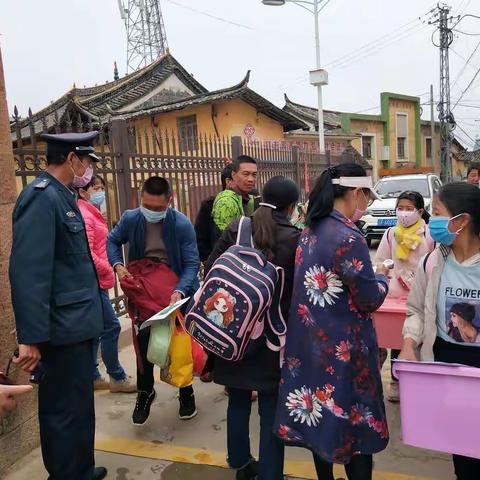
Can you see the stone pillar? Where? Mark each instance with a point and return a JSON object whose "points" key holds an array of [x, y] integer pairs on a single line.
{"points": [[19, 431]]}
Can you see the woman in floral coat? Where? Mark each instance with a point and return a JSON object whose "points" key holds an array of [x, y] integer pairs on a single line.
{"points": [[331, 398]]}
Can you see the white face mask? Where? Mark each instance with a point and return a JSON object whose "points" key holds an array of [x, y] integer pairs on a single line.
{"points": [[407, 218]]}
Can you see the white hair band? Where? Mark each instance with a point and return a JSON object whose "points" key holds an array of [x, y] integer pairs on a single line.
{"points": [[356, 182], [268, 205]]}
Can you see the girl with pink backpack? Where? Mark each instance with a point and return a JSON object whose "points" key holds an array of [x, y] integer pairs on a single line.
{"points": [[259, 369]]}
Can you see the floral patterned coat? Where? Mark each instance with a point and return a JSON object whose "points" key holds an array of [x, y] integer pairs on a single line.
{"points": [[331, 398]]}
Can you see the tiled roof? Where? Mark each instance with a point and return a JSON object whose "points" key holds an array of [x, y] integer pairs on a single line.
{"points": [[102, 99], [97, 102], [139, 84], [331, 119], [469, 157], [240, 91]]}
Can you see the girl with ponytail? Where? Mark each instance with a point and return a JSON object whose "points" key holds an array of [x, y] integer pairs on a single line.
{"points": [[273, 234], [330, 398]]}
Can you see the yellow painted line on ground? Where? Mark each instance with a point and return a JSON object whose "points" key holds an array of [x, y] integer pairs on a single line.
{"points": [[172, 453]]}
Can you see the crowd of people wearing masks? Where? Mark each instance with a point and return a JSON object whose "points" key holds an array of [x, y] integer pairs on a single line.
{"points": [[323, 389]]}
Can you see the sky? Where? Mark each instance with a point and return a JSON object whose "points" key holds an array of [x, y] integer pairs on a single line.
{"points": [[367, 47]]}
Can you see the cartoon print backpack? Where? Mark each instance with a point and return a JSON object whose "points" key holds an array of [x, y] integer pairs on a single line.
{"points": [[239, 301]]}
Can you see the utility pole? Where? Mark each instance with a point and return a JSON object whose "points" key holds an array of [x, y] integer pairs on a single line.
{"points": [[446, 118], [432, 126], [319, 76]]}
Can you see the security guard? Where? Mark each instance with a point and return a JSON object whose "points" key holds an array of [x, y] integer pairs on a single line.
{"points": [[57, 304]]}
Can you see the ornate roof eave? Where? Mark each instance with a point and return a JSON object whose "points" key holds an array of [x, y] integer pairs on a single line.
{"points": [[184, 103], [50, 109], [310, 114], [240, 90], [85, 112], [300, 108], [125, 85]]}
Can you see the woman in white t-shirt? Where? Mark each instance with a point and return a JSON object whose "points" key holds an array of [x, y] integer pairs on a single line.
{"points": [[406, 244], [443, 308]]}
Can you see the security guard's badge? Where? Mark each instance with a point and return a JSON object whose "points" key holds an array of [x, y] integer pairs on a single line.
{"points": [[42, 184], [71, 214]]}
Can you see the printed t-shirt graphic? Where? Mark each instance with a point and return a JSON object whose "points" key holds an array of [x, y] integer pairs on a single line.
{"points": [[459, 303]]}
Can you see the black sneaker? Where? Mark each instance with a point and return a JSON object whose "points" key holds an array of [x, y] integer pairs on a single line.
{"points": [[99, 473], [142, 407], [188, 408], [250, 472]]}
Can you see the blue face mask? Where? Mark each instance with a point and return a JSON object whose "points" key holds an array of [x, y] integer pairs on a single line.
{"points": [[440, 232], [153, 217], [97, 198]]}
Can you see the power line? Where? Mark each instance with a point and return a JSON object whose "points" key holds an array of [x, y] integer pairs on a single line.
{"points": [[380, 42], [206, 14], [461, 8], [372, 42], [467, 134], [468, 106], [368, 49], [379, 106], [466, 64], [467, 33], [468, 87], [374, 50]]}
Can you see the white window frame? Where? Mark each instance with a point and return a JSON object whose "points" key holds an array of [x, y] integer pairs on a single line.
{"points": [[374, 145], [407, 153]]}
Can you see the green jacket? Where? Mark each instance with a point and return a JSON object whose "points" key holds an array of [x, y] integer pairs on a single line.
{"points": [[228, 206]]}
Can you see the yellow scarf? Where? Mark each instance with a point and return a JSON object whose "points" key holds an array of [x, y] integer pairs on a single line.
{"points": [[407, 239]]}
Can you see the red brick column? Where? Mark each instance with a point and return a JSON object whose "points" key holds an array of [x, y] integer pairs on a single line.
{"points": [[19, 431]]}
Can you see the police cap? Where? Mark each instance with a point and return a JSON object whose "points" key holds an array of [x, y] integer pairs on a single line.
{"points": [[64, 143]]}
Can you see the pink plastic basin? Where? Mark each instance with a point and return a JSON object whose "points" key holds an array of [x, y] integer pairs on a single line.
{"points": [[388, 321], [439, 406]]}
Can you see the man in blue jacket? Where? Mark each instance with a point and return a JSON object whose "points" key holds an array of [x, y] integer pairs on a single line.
{"points": [[159, 232], [57, 304]]}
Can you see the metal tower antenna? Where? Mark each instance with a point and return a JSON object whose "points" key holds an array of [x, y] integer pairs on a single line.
{"points": [[146, 37], [445, 115]]}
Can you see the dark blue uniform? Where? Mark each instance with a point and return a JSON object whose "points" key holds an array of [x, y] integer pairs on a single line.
{"points": [[57, 304]]}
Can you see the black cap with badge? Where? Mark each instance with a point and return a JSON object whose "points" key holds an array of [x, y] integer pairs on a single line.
{"points": [[61, 144]]}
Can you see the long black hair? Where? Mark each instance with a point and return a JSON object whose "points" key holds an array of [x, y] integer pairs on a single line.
{"points": [[281, 193], [417, 199], [324, 193], [460, 198]]}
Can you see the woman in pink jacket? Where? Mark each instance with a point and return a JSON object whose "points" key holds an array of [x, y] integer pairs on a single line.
{"points": [[405, 244], [91, 198]]}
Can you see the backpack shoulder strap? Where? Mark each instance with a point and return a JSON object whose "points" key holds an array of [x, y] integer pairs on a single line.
{"points": [[426, 262], [389, 236], [431, 257], [277, 327], [244, 236]]}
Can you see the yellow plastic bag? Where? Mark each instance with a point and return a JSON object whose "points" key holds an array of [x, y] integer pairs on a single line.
{"points": [[179, 369]]}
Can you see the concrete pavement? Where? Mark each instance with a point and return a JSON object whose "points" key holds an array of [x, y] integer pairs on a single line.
{"points": [[169, 449]]}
